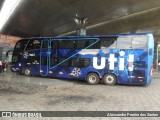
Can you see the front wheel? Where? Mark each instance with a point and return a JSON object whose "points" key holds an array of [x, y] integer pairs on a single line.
{"points": [[109, 79], [92, 79], [27, 72]]}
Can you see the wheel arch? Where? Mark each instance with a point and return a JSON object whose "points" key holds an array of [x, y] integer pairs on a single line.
{"points": [[109, 73], [92, 72]]}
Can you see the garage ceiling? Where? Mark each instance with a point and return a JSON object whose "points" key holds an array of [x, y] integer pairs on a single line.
{"points": [[55, 17]]}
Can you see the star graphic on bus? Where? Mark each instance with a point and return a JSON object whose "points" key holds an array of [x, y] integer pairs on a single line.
{"points": [[76, 72]]}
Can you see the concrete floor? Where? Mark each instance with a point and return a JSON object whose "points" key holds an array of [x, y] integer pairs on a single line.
{"points": [[21, 93]]}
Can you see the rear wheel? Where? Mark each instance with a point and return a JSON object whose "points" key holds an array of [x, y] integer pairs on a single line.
{"points": [[92, 79], [27, 71], [109, 79]]}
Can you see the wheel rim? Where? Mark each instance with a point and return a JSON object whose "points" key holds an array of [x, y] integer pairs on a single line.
{"points": [[109, 79], [92, 79], [27, 72]]}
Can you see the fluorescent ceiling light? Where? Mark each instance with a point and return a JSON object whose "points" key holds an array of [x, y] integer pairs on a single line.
{"points": [[7, 9]]}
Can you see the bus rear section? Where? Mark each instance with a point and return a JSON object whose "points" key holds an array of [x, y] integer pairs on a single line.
{"points": [[150, 58], [127, 60], [143, 48]]}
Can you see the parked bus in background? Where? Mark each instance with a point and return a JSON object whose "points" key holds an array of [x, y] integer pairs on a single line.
{"points": [[110, 59]]}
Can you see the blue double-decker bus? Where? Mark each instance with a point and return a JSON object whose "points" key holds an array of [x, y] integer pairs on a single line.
{"points": [[109, 59]]}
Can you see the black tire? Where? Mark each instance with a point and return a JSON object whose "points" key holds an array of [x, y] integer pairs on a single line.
{"points": [[109, 79], [27, 71], [92, 79]]}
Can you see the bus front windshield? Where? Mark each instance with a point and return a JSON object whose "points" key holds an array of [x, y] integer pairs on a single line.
{"points": [[21, 44]]}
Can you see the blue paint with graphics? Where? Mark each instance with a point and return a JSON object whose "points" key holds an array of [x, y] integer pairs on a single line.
{"points": [[140, 75]]}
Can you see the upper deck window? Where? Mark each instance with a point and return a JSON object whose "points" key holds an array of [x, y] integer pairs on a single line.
{"points": [[124, 42], [45, 44], [132, 42], [108, 43], [75, 44], [93, 44], [66, 44], [33, 44], [139, 42], [54, 44], [80, 44]]}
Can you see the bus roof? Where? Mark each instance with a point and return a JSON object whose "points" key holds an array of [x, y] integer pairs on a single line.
{"points": [[88, 36]]}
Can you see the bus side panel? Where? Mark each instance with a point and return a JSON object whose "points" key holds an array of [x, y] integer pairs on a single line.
{"points": [[138, 75], [128, 72], [70, 72], [120, 68], [35, 69]]}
